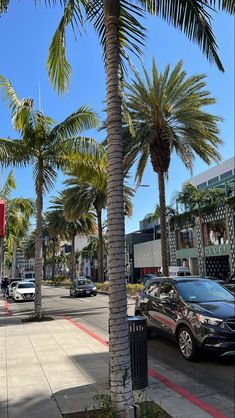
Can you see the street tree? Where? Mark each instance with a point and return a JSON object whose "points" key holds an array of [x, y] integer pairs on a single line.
{"points": [[59, 225], [117, 23], [43, 145], [87, 188], [197, 201], [168, 114], [18, 213]]}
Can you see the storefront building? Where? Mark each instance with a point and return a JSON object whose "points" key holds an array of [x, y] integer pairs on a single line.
{"points": [[211, 247]]}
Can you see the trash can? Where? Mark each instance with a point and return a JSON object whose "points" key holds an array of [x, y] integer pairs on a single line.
{"points": [[138, 351]]}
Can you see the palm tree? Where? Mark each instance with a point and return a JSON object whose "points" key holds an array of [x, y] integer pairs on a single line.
{"points": [[59, 225], [87, 183], [168, 114], [43, 145], [91, 250], [18, 213], [198, 200], [118, 26]]}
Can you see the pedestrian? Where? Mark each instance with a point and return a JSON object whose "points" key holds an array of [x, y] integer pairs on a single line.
{"points": [[4, 286]]}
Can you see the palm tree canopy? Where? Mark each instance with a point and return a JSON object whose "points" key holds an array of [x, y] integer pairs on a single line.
{"points": [[59, 225], [192, 17], [86, 185], [194, 198], [18, 213], [168, 114], [41, 138], [91, 249]]}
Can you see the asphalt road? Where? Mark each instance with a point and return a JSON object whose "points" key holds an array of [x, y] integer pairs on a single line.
{"points": [[215, 374]]}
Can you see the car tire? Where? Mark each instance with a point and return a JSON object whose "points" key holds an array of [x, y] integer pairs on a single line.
{"points": [[187, 344]]}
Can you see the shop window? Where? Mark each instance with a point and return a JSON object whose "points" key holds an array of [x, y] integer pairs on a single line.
{"points": [[215, 233], [202, 185], [185, 239], [214, 180], [225, 175]]}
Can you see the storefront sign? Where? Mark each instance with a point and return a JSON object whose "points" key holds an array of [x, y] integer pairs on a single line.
{"points": [[217, 250]]}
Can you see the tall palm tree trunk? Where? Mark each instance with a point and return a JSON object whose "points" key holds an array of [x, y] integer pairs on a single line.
{"points": [[13, 268], [73, 263], [53, 259], [38, 241], [163, 227], [120, 370], [100, 247]]}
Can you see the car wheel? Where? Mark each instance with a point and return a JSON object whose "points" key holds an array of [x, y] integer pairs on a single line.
{"points": [[187, 344]]}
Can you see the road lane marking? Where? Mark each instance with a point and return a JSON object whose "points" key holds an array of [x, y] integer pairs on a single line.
{"points": [[167, 382]]}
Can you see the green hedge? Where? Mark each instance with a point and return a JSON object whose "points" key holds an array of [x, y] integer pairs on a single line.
{"points": [[132, 289]]}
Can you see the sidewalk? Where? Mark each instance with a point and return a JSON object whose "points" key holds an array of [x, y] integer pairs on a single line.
{"points": [[53, 368]]}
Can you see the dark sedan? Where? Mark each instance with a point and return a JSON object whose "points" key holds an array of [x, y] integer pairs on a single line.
{"points": [[83, 287], [198, 313]]}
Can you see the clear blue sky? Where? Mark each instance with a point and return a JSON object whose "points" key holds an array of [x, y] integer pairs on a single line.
{"points": [[25, 34]]}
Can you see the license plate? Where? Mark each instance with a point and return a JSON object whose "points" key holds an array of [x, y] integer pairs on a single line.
{"points": [[88, 292]]}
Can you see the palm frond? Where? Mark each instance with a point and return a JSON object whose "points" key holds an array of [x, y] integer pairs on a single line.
{"points": [[59, 69], [193, 18], [83, 119], [14, 152], [9, 185]]}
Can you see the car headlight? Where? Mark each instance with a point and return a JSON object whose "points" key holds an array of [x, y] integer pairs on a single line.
{"points": [[94, 288], [209, 320], [18, 293]]}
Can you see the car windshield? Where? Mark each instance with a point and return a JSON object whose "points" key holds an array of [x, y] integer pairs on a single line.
{"points": [[200, 291], [25, 285], [82, 282]]}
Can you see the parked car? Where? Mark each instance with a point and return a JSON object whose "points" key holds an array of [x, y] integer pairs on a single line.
{"points": [[83, 287], [196, 312], [11, 287], [24, 291]]}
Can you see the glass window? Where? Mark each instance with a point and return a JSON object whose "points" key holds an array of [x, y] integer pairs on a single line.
{"points": [[25, 285], [152, 289], [215, 233], [167, 291], [225, 175], [185, 239], [82, 282], [214, 180], [202, 185], [199, 291]]}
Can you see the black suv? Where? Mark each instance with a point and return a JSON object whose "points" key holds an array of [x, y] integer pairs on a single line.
{"points": [[83, 287], [198, 313]]}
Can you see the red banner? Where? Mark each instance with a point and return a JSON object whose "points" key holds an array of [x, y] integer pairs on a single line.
{"points": [[2, 218]]}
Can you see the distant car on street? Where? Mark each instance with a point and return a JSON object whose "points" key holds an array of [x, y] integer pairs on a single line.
{"points": [[83, 287], [24, 291], [196, 312]]}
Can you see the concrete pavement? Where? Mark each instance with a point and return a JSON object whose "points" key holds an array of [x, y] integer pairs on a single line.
{"points": [[53, 368]]}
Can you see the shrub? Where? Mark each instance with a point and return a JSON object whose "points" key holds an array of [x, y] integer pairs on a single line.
{"points": [[134, 289]]}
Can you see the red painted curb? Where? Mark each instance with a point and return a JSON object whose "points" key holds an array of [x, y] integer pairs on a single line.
{"points": [[173, 386], [6, 308], [87, 331], [187, 395]]}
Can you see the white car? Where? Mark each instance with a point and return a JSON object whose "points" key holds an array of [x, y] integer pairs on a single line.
{"points": [[24, 291], [11, 288]]}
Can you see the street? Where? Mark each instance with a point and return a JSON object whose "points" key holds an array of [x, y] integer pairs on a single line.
{"points": [[209, 377]]}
